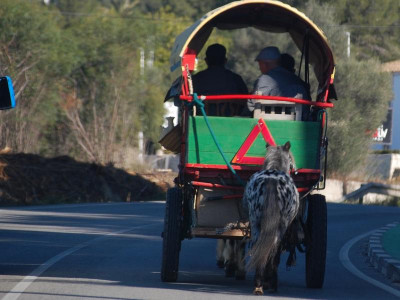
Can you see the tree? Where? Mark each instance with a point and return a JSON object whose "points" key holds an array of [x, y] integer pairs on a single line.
{"points": [[364, 93], [374, 26], [98, 101], [34, 54], [111, 96]]}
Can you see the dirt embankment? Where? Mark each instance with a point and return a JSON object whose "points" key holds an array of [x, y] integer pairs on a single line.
{"points": [[28, 179]]}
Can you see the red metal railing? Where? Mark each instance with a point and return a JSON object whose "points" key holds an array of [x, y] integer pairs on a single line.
{"points": [[259, 97]]}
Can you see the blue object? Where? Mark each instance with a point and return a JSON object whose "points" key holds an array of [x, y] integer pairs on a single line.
{"points": [[11, 90], [7, 97]]}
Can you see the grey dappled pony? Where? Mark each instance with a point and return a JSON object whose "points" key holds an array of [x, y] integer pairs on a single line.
{"points": [[271, 201]]}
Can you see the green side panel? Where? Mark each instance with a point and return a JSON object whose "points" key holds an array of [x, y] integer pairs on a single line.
{"points": [[232, 132]]}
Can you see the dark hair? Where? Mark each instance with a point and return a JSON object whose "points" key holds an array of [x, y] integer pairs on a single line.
{"points": [[216, 55], [287, 62]]}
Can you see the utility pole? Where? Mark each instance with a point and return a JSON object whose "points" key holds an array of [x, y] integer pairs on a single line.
{"points": [[348, 43], [141, 61], [141, 146], [140, 134], [144, 64], [150, 60]]}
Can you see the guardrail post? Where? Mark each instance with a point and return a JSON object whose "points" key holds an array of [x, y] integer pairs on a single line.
{"points": [[361, 199]]}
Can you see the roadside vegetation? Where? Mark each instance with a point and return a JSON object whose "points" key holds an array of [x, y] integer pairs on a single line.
{"points": [[90, 75], [30, 179]]}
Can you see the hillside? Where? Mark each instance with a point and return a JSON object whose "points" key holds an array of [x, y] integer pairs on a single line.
{"points": [[28, 179]]}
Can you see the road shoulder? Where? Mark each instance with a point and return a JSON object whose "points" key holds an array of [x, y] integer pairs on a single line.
{"points": [[380, 258]]}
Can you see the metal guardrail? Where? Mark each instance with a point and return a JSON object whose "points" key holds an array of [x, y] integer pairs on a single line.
{"points": [[373, 187], [164, 162]]}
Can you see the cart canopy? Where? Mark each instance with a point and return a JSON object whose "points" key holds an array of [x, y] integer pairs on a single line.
{"points": [[267, 15]]}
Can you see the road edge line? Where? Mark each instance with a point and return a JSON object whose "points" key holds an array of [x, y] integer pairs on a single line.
{"points": [[345, 260]]}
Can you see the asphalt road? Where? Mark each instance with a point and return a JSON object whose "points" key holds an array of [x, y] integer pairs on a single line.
{"points": [[113, 251]]}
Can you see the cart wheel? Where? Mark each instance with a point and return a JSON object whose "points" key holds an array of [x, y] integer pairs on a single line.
{"points": [[316, 245], [172, 235]]}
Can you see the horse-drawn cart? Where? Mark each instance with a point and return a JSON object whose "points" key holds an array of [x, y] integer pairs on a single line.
{"points": [[219, 154]]}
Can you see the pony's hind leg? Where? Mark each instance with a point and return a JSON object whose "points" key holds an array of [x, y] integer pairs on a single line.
{"points": [[229, 258], [240, 273], [268, 276], [271, 274], [258, 282], [220, 253]]}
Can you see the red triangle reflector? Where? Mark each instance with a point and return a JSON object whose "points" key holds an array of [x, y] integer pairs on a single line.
{"points": [[240, 157]]}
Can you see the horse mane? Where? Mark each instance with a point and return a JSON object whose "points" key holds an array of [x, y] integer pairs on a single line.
{"points": [[279, 158]]}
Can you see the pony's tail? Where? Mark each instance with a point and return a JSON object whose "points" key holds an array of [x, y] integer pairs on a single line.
{"points": [[268, 238]]}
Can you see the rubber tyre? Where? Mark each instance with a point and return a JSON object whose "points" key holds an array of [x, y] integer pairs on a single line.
{"points": [[316, 245], [172, 235]]}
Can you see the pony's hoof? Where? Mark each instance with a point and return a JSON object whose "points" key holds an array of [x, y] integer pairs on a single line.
{"points": [[240, 275], [258, 291]]}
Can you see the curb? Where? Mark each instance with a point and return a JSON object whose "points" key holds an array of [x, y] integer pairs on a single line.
{"points": [[379, 258]]}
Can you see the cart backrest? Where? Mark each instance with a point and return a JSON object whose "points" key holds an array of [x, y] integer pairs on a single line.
{"points": [[231, 134]]}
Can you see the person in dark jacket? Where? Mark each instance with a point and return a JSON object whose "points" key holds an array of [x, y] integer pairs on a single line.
{"points": [[218, 80], [288, 63]]}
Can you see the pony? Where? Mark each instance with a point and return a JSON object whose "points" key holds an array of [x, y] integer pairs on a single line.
{"points": [[271, 201], [230, 256]]}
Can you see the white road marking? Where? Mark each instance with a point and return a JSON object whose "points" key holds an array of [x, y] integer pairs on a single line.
{"points": [[344, 259], [63, 206], [20, 287], [69, 206]]}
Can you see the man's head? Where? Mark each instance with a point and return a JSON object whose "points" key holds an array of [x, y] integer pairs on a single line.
{"points": [[268, 59], [216, 55], [287, 62]]}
